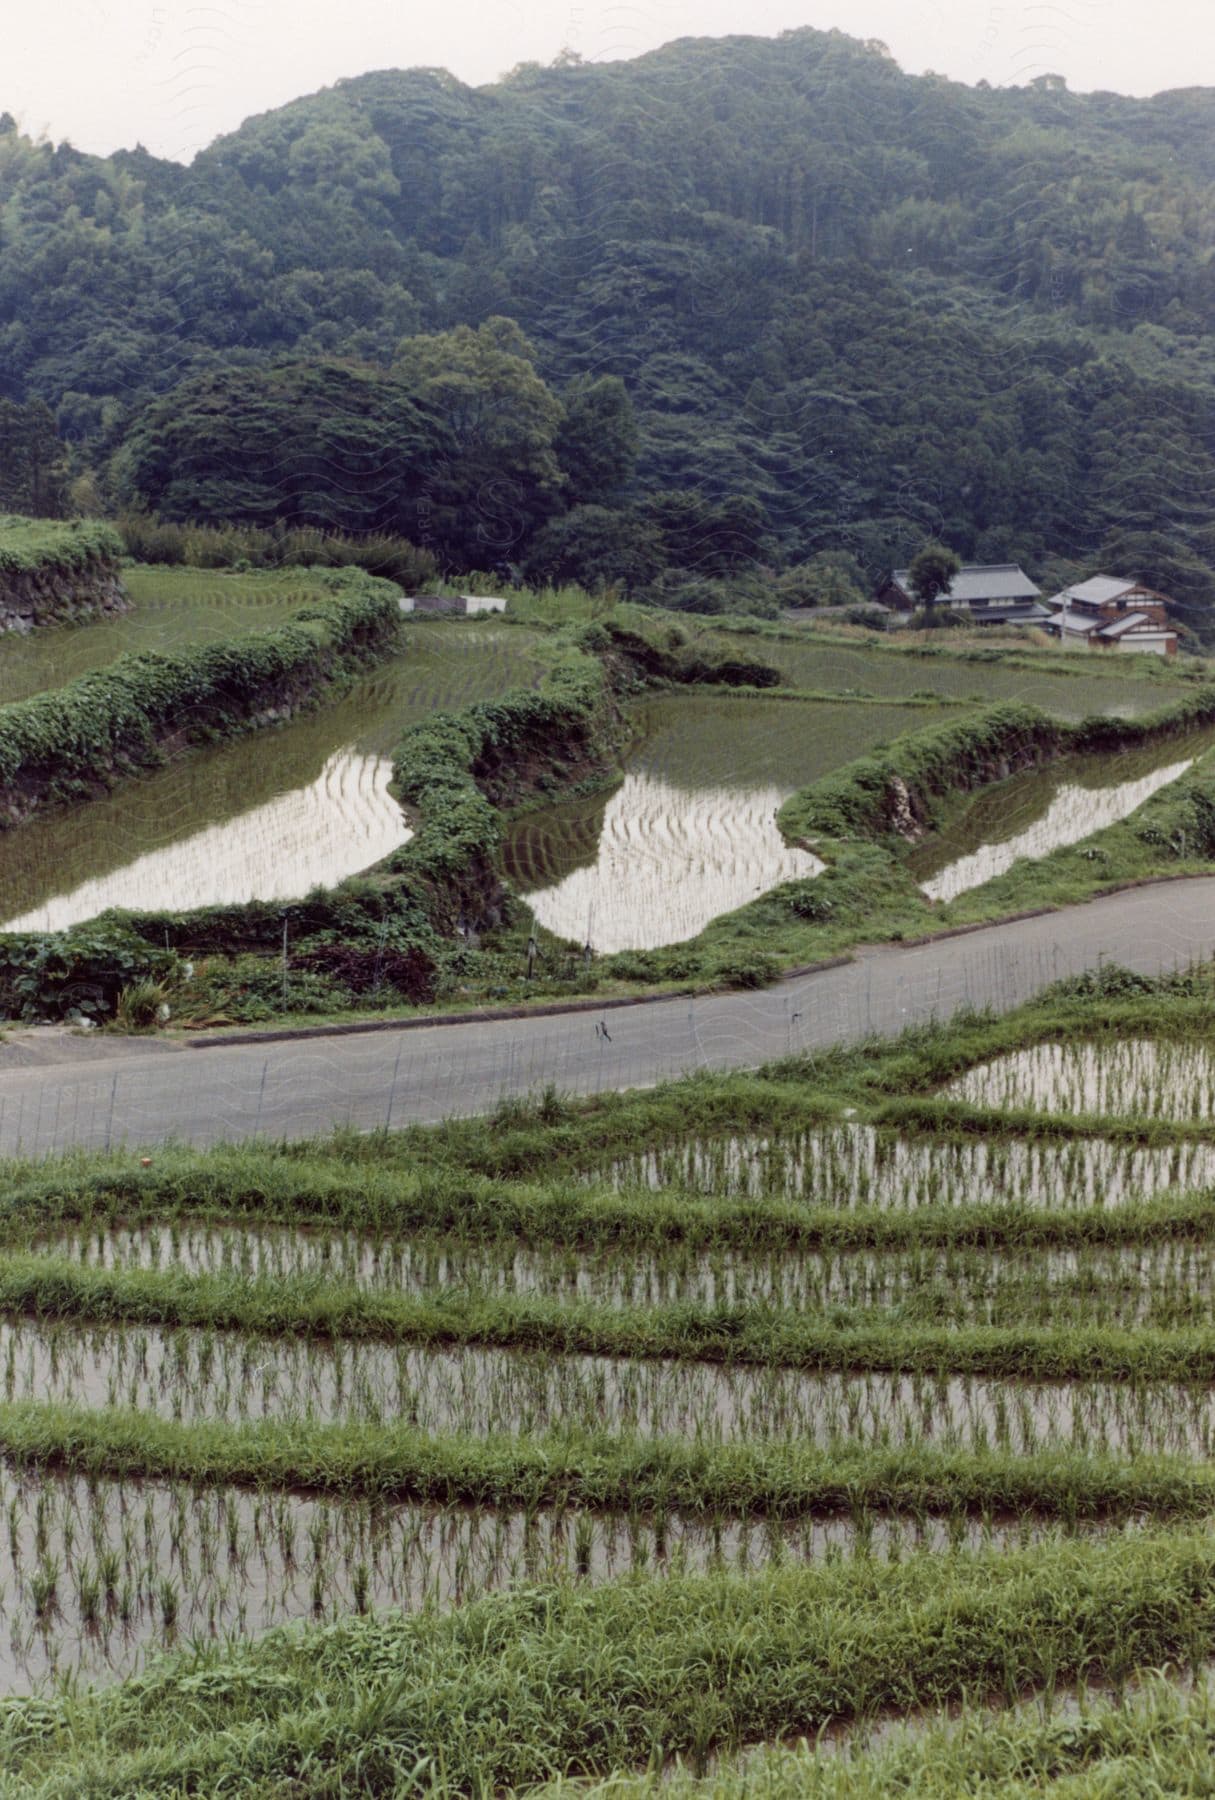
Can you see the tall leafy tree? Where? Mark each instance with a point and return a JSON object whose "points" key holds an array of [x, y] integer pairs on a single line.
{"points": [[596, 442], [503, 477], [931, 573], [33, 460]]}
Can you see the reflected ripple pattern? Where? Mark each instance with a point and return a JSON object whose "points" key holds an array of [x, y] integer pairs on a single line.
{"points": [[342, 822], [670, 860]]}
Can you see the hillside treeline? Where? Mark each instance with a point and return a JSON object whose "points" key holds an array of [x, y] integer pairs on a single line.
{"points": [[739, 303]]}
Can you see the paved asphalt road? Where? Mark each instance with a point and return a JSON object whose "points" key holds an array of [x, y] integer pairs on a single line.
{"points": [[121, 1091]]}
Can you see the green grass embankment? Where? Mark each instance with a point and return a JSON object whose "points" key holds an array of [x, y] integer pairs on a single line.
{"points": [[66, 743], [55, 572], [238, 1188], [605, 1471], [47, 1287], [518, 1689]]}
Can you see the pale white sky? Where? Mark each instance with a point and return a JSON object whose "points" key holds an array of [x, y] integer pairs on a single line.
{"points": [[173, 74]]}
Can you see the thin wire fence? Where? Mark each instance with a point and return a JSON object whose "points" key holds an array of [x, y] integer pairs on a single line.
{"points": [[387, 1079]]}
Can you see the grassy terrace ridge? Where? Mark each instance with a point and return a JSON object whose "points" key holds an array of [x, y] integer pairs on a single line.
{"points": [[605, 1471], [237, 1189], [1155, 1741], [515, 1690], [27, 545], [56, 746], [47, 1287]]}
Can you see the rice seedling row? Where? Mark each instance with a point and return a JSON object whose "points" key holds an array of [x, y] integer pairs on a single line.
{"points": [[742, 1336], [1163, 1284], [689, 1666], [989, 1191], [96, 1573], [197, 1375], [1142, 1078], [863, 1166], [605, 1470]]}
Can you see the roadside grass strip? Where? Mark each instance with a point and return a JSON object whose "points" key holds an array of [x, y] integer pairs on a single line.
{"points": [[515, 1690]]}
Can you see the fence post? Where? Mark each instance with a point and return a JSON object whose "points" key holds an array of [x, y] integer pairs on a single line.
{"points": [[392, 1093]]}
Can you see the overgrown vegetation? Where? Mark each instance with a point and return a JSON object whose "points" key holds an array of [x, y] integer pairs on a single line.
{"points": [[45, 546], [814, 316]]}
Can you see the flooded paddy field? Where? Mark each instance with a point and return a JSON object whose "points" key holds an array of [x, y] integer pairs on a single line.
{"points": [[194, 1375], [266, 816], [1042, 810], [98, 1575], [857, 1165], [889, 673], [1138, 1078], [173, 609], [1095, 1285], [691, 831]]}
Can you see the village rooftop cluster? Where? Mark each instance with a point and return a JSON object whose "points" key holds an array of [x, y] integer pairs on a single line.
{"points": [[1106, 612]]}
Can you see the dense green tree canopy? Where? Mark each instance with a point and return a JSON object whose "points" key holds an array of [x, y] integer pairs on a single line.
{"points": [[503, 478], [312, 443], [779, 276]]}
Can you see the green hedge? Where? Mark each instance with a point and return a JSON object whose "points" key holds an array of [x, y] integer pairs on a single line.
{"points": [[30, 545], [57, 744], [150, 539]]}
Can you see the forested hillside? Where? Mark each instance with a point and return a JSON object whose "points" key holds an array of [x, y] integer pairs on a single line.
{"points": [[752, 301]]}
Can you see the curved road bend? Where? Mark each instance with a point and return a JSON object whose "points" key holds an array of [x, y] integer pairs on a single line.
{"points": [[122, 1092]]}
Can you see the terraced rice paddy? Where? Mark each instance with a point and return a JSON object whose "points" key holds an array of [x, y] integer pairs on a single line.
{"points": [[1142, 1079], [100, 1572], [859, 1166], [171, 610], [764, 1394], [691, 832], [192, 1376], [268, 816], [890, 672], [1120, 1285], [1031, 815]]}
